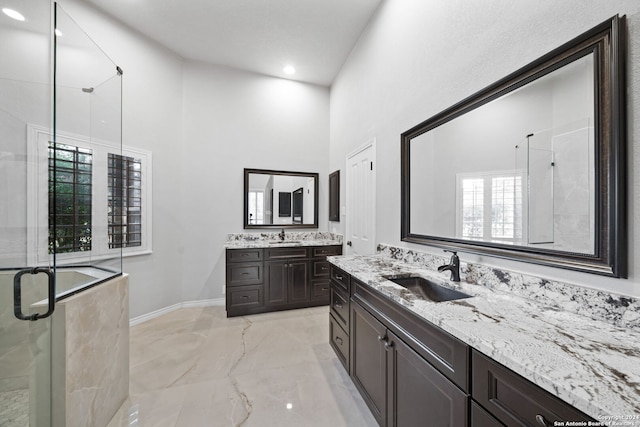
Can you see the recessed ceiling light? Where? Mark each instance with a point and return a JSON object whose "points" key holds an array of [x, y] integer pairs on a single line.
{"points": [[289, 69], [13, 14]]}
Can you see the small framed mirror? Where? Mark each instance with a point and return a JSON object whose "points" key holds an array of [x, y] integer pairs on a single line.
{"points": [[280, 199], [334, 196], [532, 168]]}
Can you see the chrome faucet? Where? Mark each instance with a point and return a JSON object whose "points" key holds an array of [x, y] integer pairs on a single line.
{"points": [[281, 235], [453, 266]]}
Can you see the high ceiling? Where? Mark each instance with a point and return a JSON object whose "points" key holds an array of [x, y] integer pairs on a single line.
{"points": [[315, 36]]}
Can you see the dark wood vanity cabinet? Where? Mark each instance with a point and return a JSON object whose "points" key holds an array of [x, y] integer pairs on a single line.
{"points": [[280, 278], [412, 373], [514, 400], [400, 386], [339, 321]]}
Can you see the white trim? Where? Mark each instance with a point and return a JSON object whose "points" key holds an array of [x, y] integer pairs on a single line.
{"points": [[217, 302]]}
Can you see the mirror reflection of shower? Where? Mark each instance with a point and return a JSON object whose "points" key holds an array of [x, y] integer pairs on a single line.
{"points": [[559, 186]]}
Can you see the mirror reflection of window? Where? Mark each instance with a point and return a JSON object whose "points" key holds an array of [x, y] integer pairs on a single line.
{"points": [[490, 206], [256, 207]]}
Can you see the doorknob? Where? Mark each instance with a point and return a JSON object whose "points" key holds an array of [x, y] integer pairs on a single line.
{"points": [[349, 243]]}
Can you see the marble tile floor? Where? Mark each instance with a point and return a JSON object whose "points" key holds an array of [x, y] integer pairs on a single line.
{"points": [[14, 408], [194, 367]]}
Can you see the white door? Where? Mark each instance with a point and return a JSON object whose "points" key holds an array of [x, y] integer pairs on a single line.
{"points": [[361, 200]]}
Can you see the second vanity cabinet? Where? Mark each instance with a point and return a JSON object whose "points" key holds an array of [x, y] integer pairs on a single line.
{"points": [[397, 381], [412, 373], [277, 278]]}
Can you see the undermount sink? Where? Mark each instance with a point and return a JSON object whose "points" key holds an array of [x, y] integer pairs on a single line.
{"points": [[427, 289], [283, 242]]}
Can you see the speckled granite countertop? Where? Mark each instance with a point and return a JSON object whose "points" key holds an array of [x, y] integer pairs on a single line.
{"points": [[272, 240], [591, 364]]}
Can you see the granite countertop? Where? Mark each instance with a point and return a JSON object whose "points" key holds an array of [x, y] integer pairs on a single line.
{"points": [[272, 240], [591, 364], [247, 244]]}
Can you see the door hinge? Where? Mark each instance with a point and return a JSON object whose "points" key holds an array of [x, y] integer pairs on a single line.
{"points": [[371, 165]]}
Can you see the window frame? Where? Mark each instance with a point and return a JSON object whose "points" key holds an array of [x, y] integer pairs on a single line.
{"points": [[38, 190], [487, 178]]}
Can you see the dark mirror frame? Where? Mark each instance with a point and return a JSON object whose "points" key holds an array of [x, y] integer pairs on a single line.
{"points": [[607, 42], [287, 173]]}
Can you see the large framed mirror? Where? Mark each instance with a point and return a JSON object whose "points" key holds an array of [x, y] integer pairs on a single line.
{"points": [[531, 168], [280, 199]]}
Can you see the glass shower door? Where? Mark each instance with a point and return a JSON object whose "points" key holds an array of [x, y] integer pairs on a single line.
{"points": [[60, 123], [26, 292]]}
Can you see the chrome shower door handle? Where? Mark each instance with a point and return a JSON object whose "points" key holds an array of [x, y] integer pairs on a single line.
{"points": [[17, 293]]}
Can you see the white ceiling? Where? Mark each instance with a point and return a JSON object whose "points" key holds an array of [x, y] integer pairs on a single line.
{"points": [[315, 36]]}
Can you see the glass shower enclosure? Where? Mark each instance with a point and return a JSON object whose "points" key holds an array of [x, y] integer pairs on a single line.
{"points": [[60, 192]]}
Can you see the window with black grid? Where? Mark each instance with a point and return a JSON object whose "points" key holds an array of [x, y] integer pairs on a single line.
{"points": [[70, 192], [124, 201]]}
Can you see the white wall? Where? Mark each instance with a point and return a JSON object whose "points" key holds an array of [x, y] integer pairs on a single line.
{"points": [[152, 106], [234, 120], [417, 58]]}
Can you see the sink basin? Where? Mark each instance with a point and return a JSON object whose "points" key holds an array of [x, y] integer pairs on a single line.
{"points": [[283, 242], [427, 289]]}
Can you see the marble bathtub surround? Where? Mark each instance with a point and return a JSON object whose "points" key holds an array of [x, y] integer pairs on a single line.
{"points": [[590, 364], [292, 239], [90, 355], [196, 367], [616, 309]]}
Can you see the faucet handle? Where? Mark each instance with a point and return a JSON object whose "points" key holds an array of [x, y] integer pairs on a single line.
{"points": [[455, 253]]}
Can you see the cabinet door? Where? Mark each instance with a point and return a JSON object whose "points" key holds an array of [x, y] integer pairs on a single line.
{"points": [[298, 281], [418, 394], [276, 284], [369, 361]]}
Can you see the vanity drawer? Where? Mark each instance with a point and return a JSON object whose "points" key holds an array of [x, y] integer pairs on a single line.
{"points": [[320, 290], [321, 268], [323, 251], [340, 277], [246, 273], [340, 305], [245, 297], [244, 255], [339, 340], [481, 418], [288, 253], [514, 400]]}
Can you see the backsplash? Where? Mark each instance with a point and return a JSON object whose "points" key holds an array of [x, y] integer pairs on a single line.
{"points": [[289, 235], [599, 305]]}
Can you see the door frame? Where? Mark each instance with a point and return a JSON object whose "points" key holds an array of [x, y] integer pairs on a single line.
{"points": [[370, 144]]}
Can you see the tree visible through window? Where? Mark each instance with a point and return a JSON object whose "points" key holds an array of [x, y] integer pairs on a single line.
{"points": [[125, 201], [70, 184]]}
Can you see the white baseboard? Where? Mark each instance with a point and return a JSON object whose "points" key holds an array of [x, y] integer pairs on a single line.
{"points": [[187, 304]]}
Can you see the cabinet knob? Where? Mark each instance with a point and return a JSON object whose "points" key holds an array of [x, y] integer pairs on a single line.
{"points": [[245, 296], [542, 421], [339, 277], [382, 338], [388, 345], [339, 340], [338, 305]]}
